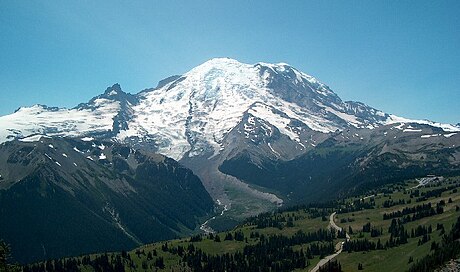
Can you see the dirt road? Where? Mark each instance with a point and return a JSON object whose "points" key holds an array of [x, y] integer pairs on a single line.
{"points": [[338, 246]]}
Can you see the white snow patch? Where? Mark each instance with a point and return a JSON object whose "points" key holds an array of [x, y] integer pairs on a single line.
{"points": [[301, 144], [76, 149], [400, 126], [64, 155], [380, 113], [102, 156], [33, 138], [430, 135], [412, 130], [351, 119], [51, 146], [449, 135], [446, 127], [58, 163], [251, 120], [271, 148], [267, 113], [58, 122]]}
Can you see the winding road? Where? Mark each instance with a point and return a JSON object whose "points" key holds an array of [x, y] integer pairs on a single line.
{"points": [[332, 224], [338, 246]]}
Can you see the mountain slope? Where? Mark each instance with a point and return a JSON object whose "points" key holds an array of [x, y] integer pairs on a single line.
{"points": [[63, 197], [392, 224], [353, 161], [192, 114], [264, 118]]}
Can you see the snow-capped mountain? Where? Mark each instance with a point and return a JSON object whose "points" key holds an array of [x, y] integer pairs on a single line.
{"points": [[95, 117], [191, 115], [256, 136], [234, 123]]}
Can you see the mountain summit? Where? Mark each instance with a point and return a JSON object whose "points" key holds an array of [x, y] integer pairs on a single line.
{"points": [[255, 137], [190, 115], [193, 114], [263, 124]]}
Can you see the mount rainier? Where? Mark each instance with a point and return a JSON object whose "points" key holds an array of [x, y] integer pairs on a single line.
{"points": [[233, 124], [190, 115]]}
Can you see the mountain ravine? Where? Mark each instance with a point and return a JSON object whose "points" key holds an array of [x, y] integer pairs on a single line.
{"points": [[63, 197]]}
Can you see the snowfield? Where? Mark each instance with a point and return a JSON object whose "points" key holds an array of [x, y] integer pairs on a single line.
{"points": [[192, 115]]}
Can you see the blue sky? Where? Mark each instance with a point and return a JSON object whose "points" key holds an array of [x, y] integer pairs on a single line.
{"points": [[402, 57]]}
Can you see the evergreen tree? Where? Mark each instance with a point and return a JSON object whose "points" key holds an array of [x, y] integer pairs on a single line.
{"points": [[5, 256]]}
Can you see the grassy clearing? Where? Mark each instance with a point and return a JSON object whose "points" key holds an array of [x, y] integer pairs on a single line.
{"points": [[397, 258]]}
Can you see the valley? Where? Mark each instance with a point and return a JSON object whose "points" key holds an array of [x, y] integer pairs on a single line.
{"points": [[365, 238]]}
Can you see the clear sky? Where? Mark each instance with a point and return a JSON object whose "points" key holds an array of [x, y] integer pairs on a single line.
{"points": [[402, 57]]}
